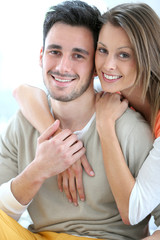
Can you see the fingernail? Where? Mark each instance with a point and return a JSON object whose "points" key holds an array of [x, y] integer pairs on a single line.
{"points": [[92, 173], [82, 199], [70, 200], [75, 204]]}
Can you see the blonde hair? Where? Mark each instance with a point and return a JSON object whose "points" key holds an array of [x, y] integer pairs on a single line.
{"points": [[142, 26]]}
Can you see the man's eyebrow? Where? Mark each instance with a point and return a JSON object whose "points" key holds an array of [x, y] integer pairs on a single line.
{"points": [[51, 46], [80, 50]]}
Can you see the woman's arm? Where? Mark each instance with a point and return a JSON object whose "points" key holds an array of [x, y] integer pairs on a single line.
{"points": [[145, 195], [34, 106], [109, 107], [135, 198]]}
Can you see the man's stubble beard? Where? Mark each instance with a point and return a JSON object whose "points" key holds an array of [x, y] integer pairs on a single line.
{"points": [[73, 95]]}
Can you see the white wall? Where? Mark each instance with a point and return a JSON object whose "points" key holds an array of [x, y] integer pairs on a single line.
{"points": [[155, 4], [21, 37]]}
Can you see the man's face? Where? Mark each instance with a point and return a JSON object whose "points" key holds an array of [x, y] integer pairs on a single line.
{"points": [[68, 61]]}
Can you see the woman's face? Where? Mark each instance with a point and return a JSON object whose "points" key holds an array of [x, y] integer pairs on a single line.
{"points": [[115, 59]]}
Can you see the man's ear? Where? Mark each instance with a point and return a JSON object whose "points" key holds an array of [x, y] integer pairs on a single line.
{"points": [[41, 56]]}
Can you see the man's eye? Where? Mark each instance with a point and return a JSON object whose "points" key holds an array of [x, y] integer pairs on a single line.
{"points": [[78, 56], [54, 52]]}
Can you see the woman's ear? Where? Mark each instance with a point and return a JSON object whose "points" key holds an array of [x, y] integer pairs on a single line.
{"points": [[41, 56]]}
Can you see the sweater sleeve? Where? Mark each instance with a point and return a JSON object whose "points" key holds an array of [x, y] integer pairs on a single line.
{"points": [[157, 126], [145, 195], [8, 202]]}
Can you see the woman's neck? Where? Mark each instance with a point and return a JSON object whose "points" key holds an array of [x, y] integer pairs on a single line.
{"points": [[136, 101]]}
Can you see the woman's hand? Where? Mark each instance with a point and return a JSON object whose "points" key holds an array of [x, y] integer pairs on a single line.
{"points": [[109, 107], [71, 180]]}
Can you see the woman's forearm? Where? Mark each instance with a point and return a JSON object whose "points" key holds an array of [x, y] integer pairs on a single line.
{"points": [[34, 106], [109, 107], [145, 195], [119, 176]]}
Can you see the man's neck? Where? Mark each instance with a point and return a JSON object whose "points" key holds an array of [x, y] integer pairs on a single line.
{"points": [[75, 114]]}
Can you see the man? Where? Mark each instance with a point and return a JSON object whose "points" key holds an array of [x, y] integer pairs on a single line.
{"points": [[28, 175]]}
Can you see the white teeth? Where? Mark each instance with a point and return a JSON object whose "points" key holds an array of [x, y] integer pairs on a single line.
{"points": [[62, 80], [111, 77]]}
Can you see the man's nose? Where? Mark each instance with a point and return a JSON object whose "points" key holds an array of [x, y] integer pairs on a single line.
{"points": [[64, 65]]}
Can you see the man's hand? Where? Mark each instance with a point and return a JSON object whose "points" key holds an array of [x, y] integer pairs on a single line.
{"points": [[71, 180], [53, 156]]}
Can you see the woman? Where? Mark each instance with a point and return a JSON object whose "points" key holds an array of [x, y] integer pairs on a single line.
{"points": [[142, 27], [127, 60]]}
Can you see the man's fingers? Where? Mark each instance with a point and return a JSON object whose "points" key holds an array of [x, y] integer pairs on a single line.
{"points": [[77, 146], [71, 140], [78, 154], [49, 132]]}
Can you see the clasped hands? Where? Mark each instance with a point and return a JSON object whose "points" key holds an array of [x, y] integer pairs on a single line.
{"points": [[59, 152], [67, 154]]}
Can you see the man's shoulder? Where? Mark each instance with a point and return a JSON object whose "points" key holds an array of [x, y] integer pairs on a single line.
{"points": [[132, 115], [19, 125], [135, 137], [133, 129], [19, 118], [132, 120]]}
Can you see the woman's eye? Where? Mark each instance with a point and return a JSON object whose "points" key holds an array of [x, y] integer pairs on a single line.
{"points": [[102, 50], [124, 55]]}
